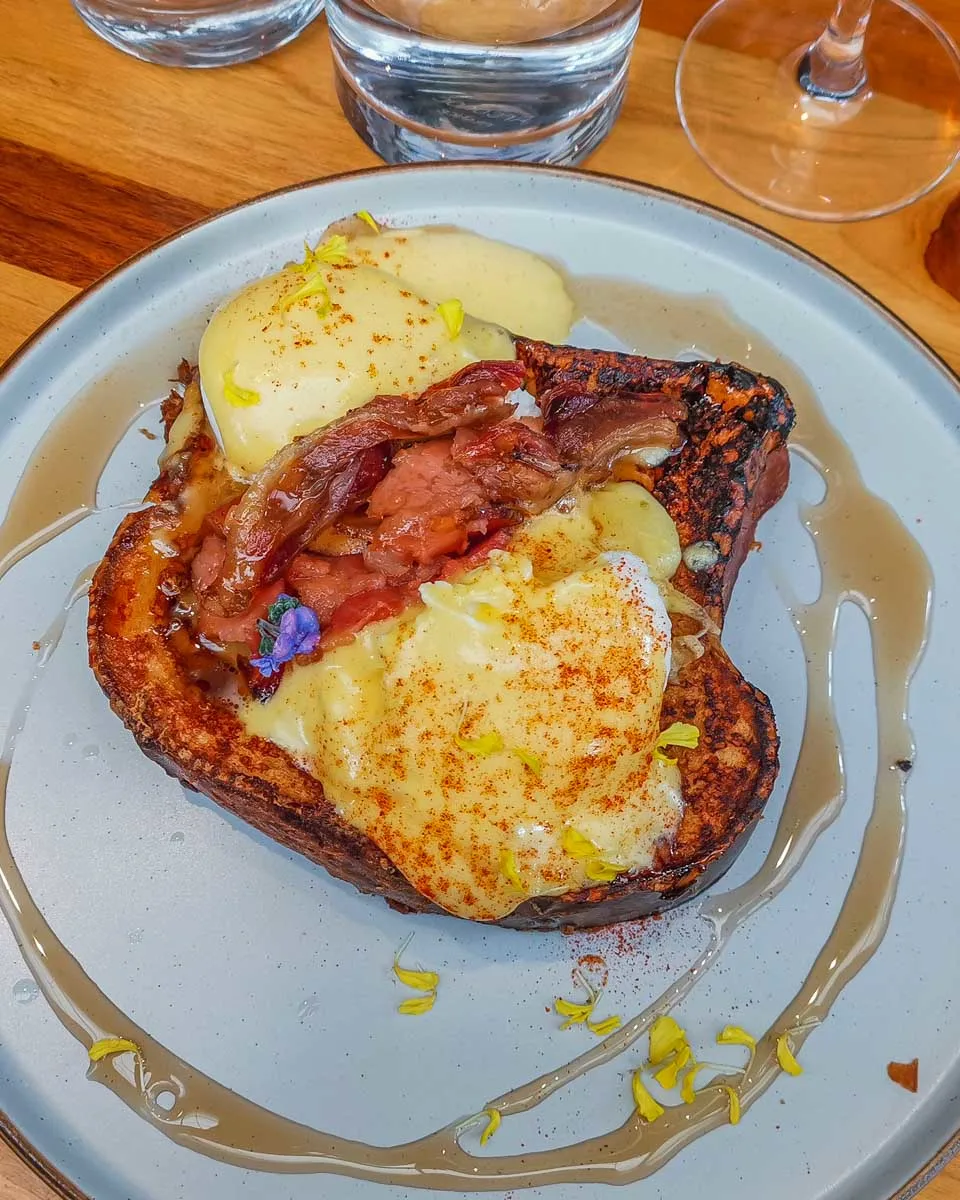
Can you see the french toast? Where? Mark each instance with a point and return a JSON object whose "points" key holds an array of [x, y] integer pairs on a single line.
{"points": [[729, 467]]}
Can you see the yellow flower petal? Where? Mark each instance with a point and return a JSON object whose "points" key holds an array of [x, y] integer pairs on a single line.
{"points": [[667, 1075], [308, 260], [677, 734], [530, 760], [493, 1124], [333, 251], [734, 1105], [604, 872], [452, 313], [666, 1037], [482, 746], [733, 1035], [687, 1091], [575, 1013], [576, 845], [314, 286], [785, 1056], [647, 1107], [508, 868], [107, 1046], [417, 1006], [367, 220], [239, 397], [602, 1028], [420, 981]]}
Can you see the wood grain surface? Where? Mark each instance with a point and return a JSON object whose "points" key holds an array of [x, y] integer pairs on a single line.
{"points": [[100, 155]]}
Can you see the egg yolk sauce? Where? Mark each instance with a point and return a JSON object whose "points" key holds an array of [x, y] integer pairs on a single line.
{"points": [[365, 315], [497, 741]]}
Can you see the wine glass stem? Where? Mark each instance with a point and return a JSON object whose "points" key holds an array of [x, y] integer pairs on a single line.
{"points": [[833, 67]]}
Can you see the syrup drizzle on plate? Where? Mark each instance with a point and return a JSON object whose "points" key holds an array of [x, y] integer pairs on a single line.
{"points": [[867, 558]]}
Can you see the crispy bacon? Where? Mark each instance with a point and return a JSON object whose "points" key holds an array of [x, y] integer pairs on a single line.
{"points": [[241, 630], [428, 506], [591, 430], [325, 583], [476, 556], [514, 464], [440, 495], [361, 610], [315, 479]]}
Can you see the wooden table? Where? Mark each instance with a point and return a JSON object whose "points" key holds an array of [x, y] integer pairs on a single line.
{"points": [[101, 155]]}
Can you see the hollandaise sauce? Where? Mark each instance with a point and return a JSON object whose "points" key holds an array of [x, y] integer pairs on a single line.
{"points": [[362, 315], [497, 742]]}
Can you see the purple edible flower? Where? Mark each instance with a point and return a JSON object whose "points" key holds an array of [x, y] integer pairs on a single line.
{"points": [[299, 634]]}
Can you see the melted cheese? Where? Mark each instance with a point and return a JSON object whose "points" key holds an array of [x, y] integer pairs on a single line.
{"points": [[465, 737], [374, 329]]}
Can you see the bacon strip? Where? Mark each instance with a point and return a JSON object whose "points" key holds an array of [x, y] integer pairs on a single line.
{"points": [[591, 430], [439, 495], [314, 480], [516, 466]]}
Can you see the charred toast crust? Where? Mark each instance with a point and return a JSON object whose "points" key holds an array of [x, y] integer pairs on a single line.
{"points": [[732, 468]]}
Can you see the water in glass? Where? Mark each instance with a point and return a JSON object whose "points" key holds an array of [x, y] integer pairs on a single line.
{"points": [[482, 79]]}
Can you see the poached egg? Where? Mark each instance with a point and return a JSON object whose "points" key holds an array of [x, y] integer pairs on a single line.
{"points": [[279, 360], [497, 742]]}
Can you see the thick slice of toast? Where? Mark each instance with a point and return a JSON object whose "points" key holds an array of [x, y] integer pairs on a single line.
{"points": [[732, 467]]}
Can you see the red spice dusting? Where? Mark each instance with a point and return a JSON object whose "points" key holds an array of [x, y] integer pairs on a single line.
{"points": [[594, 967], [623, 940]]}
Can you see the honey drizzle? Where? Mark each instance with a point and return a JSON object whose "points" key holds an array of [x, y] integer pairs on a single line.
{"points": [[867, 557]]}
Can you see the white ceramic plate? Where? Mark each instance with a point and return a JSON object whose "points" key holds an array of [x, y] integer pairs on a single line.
{"points": [[259, 969]]}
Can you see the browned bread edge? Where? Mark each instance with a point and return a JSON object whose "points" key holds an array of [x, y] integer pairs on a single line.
{"points": [[742, 421]]}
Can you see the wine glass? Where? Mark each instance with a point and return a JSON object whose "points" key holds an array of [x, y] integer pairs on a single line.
{"points": [[834, 116]]}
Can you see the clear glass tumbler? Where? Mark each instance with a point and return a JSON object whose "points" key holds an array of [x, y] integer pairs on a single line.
{"points": [[482, 79], [198, 33]]}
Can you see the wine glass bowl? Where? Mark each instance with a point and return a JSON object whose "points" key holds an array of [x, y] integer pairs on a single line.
{"points": [[833, 115]]}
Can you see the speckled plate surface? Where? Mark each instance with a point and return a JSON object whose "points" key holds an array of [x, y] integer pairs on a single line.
{"points": [[274, 979]]}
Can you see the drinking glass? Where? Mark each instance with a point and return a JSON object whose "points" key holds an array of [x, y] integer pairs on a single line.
{"points": [[819, 108], [198, 33], [527, 80]]}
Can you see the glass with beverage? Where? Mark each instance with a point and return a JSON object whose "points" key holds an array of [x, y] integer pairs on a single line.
{"points": [[198, 33], [523, 80], [834, 110]]}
